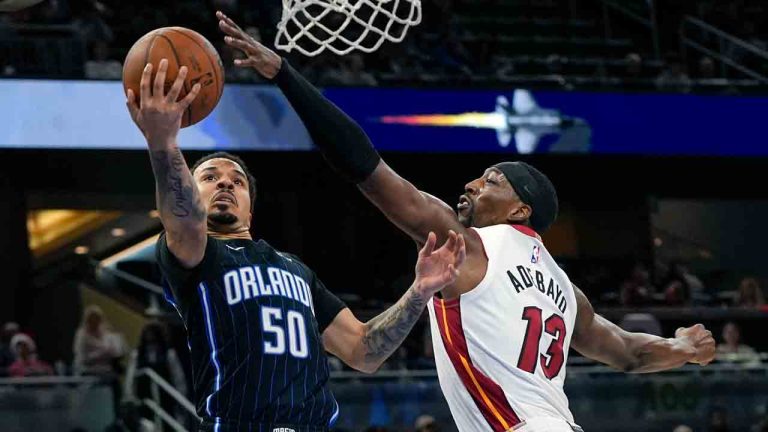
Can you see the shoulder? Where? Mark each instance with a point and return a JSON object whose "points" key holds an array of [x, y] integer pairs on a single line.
{"points": [[291, 258], [492, 237], [287, 256]]}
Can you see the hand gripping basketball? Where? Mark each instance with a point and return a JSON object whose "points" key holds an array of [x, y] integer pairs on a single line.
{"points": [[439, 268], [159, 116], [265, 61]]}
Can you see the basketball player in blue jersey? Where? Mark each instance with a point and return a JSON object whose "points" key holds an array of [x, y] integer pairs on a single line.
{"points": [[258, 320], [502, 331]]}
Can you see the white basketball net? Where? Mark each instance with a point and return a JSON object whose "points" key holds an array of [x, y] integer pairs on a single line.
{"points": [[311, 26]]}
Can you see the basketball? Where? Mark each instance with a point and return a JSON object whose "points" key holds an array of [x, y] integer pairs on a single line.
{"points": [[182, 47]]}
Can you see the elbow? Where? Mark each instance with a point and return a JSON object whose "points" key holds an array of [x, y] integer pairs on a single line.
{"points": [[367, 367], [631, 366]]}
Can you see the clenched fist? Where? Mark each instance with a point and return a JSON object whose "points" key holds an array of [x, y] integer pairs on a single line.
{"points": [[701, 339]]}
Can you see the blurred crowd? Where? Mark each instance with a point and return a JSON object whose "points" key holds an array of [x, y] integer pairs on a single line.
{"points": [[99, 350], [459, 42], [666, 284], [102, 352]]}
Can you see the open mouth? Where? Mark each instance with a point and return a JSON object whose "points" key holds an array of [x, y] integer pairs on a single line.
{"points": [[225, 198], [464, 204]]}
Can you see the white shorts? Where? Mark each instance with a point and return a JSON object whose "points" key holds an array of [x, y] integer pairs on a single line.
{"points": [[547, 424]]}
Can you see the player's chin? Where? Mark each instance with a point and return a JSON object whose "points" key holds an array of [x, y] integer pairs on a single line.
{"points": [[222, 217]]}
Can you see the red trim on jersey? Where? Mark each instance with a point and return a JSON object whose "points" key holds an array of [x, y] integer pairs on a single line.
{"points": [[526, 230], [488, 396]]}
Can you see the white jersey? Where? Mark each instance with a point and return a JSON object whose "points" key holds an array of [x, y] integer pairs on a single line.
{"points": [[501, 348]]}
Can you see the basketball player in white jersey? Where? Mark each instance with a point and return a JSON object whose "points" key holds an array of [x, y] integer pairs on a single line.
{"points": [[502, 331]]}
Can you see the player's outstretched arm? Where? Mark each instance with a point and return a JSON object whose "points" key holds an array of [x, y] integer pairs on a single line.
{"points": [[158, 115], [599, 339], [365, 346], [345, 145]]}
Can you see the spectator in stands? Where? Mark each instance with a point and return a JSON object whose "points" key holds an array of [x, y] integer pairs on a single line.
{"points": [[682, 428], [100, 66], [732, 350], [10, 329], [750, 294], [27, 364], [637, 289], [96, 348], [425, 423], [682, 286], [676, 293], [674, 77], [154, 352]]}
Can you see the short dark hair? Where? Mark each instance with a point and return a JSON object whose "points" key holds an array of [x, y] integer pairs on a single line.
{"points": [[237, 160]]}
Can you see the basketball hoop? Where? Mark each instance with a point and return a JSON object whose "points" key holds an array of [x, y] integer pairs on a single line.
{"points": [[311, 26]]}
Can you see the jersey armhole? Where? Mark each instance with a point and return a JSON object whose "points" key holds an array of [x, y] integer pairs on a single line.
{"points": [[484, 283]]}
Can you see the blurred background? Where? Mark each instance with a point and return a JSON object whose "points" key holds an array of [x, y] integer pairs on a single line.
{"points": [[653, 133]]}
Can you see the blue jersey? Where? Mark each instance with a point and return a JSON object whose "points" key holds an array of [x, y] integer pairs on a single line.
{"points": [[254, 318]]}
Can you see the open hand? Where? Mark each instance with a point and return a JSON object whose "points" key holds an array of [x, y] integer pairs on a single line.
{"points": [[265, 61], [436, 269], [157, 114], [701, 339]]}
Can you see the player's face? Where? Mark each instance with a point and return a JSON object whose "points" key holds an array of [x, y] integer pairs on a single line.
{"points": [[490, 200], [223, 188]]}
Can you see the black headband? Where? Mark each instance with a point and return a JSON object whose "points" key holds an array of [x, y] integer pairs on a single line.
{"points": [[534, 189]]}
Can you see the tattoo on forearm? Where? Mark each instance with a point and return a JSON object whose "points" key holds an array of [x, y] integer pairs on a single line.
{"points": [[387, 331], [176, 190]]}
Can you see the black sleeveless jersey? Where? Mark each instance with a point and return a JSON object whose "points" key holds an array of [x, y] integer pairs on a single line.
{"points": [[254, 318]]}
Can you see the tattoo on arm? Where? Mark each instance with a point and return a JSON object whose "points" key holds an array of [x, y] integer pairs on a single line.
{"points": [[176, 192], [386, 332]]}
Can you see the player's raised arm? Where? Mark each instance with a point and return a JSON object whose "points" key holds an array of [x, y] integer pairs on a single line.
{"points": [[365, 346], [599, 339], [158, 116], [345, 145]]}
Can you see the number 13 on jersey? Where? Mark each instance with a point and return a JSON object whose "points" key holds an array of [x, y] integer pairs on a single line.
{"points": [[552, 360]]}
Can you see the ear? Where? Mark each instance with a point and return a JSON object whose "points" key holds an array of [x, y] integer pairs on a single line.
{"points": [[520, 213]]}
